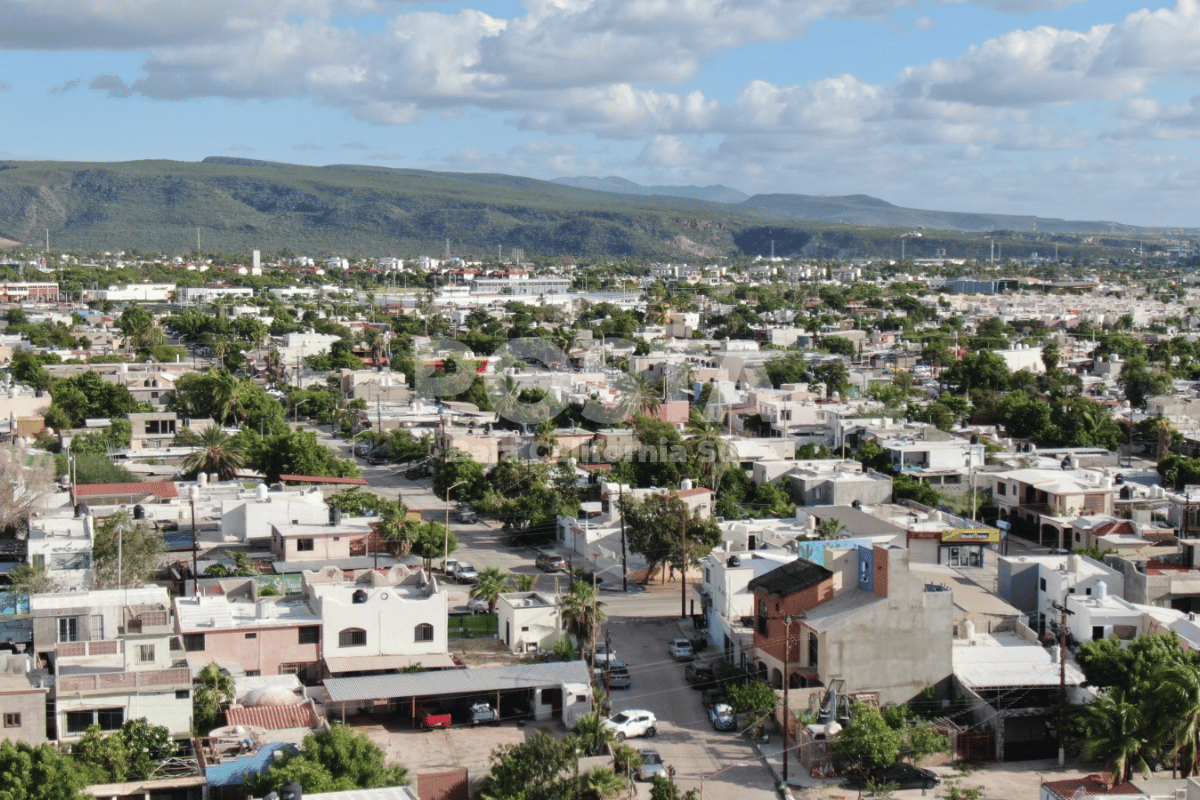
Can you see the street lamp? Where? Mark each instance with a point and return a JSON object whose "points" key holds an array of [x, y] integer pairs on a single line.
{"points": [[446, 538], [296, 409], [595, 593]]}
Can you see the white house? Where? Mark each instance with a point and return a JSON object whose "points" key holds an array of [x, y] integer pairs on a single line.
{"points": [[530, 622]]}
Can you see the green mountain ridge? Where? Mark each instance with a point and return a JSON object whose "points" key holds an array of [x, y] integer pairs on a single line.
{"points": [[238, 204]]}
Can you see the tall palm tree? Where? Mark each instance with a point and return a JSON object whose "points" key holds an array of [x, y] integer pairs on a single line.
{"points": [[219, 452], [274, 362], [641, 396], [489, 585], [1116, 732], [377, 343], [229, 396], [712, 452], [582, 612], [1178, 689]]}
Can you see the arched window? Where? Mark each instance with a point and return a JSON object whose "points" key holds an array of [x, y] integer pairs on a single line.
{"points": [[352, 637], [423, 632]]}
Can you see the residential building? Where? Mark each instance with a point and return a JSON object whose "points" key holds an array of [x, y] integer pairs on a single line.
{"points": [[819, 624], [530, 622], [113, 656]]}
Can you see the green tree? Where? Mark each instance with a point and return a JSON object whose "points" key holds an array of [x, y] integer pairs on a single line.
{"points": [[91, 468], [867, 742], [835, 377], [978, 370], [599, 783], [335, 760], [488, 586], [1177, 688], [148, 746], [212, 693], [89, 396], [295, 452], [663, 789], [922, 740], [1139, 381], [458, 467], [531, 770], [218, 453], [25, 580], [655, 528], [432, 540], [139, 546], [755, 698], [103, 758], [38, 773]]}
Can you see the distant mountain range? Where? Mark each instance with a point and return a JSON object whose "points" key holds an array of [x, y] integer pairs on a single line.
{"points": [[234, 205], [854, 209]]}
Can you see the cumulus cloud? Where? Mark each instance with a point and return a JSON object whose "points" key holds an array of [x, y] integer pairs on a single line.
{"points": [[111, 84]]}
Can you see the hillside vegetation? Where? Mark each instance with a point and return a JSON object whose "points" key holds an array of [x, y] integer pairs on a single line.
{"points": [[236, 205]]}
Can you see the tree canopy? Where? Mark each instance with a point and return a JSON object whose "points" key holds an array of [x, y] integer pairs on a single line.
{"points": [[655, 529], [334, 760]]}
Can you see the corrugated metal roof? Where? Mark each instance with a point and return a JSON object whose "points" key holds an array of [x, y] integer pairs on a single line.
{"points": [[456, 681], [273, 718], [368, 663]]}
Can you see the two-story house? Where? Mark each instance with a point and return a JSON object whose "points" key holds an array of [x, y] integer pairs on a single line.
{"points": [[113, 656], [1041, 502], [814, 625]]}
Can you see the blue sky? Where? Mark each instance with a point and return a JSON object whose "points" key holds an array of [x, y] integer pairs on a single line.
{"points": [[1081, 110]]}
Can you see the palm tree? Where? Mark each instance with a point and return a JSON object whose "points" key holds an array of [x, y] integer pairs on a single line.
{"points": [[582, 613], [1178, 689], [1116, 732], [488, 587], [590, 735], [229, 394], [545, 440], [396, 528], [522, 583], [274, 362], [213, 692], [713, 452], [641, 396], [830, 529], [377, 343], [219, 452], [600, 784]]}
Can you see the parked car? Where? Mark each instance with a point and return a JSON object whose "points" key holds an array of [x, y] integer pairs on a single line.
{"points": [[681, 649], [907, 776], [550, 562], [433, 716], [652, 764], [710, 697], [477, 605], [482, 712], [700, 675], [461, 572], [465, 514], [721, 716], [603, 654], [630, 724], [616, 676]]}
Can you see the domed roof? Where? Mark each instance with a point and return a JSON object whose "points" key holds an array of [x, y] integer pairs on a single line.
{"points": [[271, 696]]}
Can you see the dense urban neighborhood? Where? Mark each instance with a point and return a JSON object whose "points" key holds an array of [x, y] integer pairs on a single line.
{"points": [[439, 527]]}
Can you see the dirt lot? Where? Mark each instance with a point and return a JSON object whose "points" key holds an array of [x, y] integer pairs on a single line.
{"points": [[999, 781]]}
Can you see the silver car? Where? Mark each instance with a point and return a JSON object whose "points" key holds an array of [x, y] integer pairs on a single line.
{"points": [[652, 764]]}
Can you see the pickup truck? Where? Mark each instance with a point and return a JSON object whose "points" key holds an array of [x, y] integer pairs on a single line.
{"points": [[461, 572], [433, 716], [482, 712]]}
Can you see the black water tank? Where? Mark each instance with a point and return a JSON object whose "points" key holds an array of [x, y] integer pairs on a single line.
{"points": [[335, 516], [359, 596], [291, 791], [733, 561], [139, 512]]}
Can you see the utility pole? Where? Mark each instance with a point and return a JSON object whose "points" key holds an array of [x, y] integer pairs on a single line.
{"points": [[608, 670], [624, 561], [1064, 612], [683, 562]]}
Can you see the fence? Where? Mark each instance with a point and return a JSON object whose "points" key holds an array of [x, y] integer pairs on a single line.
{"points": [[473, 625]]}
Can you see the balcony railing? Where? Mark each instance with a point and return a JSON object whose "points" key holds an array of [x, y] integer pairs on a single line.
{"points": [[100, 647], [109, 682]]}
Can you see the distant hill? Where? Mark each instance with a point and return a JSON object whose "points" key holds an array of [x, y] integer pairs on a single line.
{"points": [[614, 185], [236, 205], [855, 209]]}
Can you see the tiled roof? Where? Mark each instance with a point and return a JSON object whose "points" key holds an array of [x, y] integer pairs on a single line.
{"points": [[696, 492], [323, 479], [791, 577], [1089, 784], [675, 412], [161, 490], [273, 718]]}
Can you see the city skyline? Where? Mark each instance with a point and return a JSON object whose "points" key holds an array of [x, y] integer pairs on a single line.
{"points": [[1079, 110]]}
